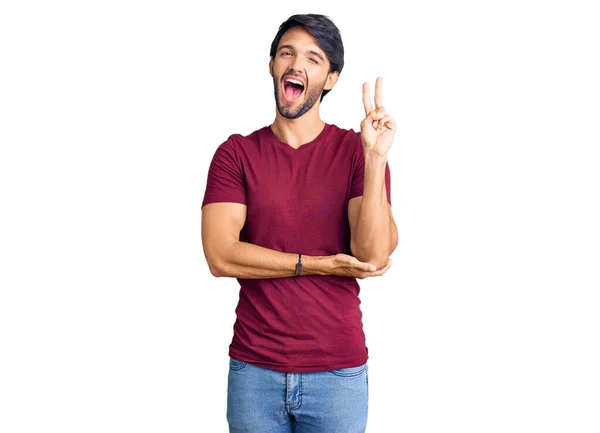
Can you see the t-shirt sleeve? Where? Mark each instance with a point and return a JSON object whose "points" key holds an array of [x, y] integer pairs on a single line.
{"points": [[226, 182], [358, 177]]}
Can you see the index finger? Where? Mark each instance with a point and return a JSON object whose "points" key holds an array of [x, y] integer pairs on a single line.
{"points": [[379, 92], [367, 99]]}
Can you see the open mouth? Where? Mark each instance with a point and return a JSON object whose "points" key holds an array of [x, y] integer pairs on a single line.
{"points": [[292, 89]]}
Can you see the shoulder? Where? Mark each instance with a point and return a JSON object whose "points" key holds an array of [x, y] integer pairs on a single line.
{"points": [[346, 137], [342, 132], [349, 143], [235, 141], [239, 146]]}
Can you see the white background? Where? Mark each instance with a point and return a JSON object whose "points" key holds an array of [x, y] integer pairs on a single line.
{"points": [[488, 320]]}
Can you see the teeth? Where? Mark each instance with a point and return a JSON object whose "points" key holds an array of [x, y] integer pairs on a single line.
{"points": [[291, 80]]}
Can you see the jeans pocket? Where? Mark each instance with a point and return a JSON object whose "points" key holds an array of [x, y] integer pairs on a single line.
{"points": [[236, 364], [349, 371]]}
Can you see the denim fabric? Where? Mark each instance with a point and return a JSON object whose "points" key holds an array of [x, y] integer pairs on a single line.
{"points": [[260, 400]]}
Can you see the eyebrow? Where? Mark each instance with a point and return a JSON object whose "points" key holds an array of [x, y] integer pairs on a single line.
{"points": [[315, 53]]}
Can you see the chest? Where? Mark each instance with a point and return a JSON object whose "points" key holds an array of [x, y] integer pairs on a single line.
{"points": [[311, 185]]}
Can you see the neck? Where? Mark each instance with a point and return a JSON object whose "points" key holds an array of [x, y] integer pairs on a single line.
{"points": [[296, 132]]}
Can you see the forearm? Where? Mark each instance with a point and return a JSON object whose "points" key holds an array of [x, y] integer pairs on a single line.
{"points": [[374, 238], [249, 261]]}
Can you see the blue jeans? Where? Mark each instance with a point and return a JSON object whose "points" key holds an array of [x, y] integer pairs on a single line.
{"points": [[261, 400]]}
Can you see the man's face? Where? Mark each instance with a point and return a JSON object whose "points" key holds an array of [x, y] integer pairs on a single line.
{"points": [[300, 71]]}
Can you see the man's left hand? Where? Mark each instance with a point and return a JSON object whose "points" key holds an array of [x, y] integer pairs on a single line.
{"points": [[378, 128]]}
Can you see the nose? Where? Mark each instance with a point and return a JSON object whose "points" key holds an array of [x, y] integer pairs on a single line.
{"points": [[297, 64]]}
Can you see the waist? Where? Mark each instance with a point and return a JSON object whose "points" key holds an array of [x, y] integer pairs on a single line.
{"points": [[300, 322]]}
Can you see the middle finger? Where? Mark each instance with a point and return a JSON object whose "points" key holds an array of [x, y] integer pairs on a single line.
{"points": [[379, 92]]}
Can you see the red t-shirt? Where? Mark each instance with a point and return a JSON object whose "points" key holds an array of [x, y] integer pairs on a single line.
{"points": [[297, 202]]}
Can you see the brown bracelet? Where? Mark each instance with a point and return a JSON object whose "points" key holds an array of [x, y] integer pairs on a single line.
{"points": [[299, 265]]}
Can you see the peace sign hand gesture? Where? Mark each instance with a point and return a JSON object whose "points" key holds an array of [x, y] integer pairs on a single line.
{"points": [[378, 128]]}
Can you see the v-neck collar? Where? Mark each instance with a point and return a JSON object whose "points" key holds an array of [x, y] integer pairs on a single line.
{"points": [[289, 148]]}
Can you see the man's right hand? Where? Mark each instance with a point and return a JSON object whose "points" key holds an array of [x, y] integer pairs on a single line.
{"points": [[348, 266]]}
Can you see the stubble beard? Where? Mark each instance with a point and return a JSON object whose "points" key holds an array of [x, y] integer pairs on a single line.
{"points": [[312, 95]]}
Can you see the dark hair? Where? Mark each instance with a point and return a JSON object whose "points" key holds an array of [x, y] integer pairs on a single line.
{"points": [[325, 33]]}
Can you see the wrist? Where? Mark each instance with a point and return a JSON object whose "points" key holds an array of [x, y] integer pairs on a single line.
{"points": [[315, 265], [375, 159]]}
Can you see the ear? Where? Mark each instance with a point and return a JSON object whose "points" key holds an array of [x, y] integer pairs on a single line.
{"points": [[271, 66], [331, 80]]}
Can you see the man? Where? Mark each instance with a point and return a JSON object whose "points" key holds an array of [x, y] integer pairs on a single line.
{"points": [[297, 211]]}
